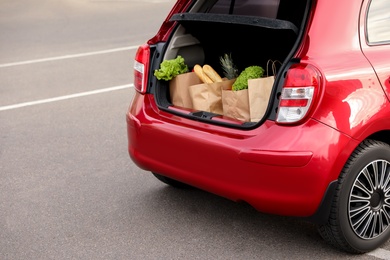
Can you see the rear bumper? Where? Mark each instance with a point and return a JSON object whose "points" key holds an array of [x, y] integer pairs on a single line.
{"points": [[277, 169]]}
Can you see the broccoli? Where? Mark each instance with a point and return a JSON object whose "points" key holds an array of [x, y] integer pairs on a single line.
{"points": [[171, 68], [251, 72]]}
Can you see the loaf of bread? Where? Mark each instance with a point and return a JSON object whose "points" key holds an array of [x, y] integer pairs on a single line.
{"points": [[201, 74], [211, 73]]}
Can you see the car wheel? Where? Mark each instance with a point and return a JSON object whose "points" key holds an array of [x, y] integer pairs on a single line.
{"points": [[171, 182], [360, 216]]}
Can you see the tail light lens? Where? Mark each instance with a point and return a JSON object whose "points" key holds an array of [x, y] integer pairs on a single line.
{"points": [[301, 88], [141, 68]]}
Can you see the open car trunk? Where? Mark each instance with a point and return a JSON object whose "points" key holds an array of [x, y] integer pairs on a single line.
{"points": [[211, 29]]}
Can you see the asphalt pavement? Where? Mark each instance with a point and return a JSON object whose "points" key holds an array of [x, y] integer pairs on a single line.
{"points": [[68, 189]]}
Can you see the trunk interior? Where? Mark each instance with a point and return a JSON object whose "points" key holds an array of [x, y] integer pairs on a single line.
{"points": [[205, 33]]}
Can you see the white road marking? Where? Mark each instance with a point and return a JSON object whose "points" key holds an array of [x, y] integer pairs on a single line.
{"points": [[49, 100], [380, 254], [67, 56]]}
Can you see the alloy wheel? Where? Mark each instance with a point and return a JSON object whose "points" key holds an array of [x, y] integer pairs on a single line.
{"points": [[369, 200]]}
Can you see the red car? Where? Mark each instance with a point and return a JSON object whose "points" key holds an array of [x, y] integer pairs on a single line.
{"points": [[321, 148]]}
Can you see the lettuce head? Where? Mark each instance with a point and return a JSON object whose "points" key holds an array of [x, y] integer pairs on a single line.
{"points": [[251, 72], [171, 68]]}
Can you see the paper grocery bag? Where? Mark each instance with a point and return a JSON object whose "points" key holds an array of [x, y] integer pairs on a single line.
{"points": [[179, 89], [259, 91], [236, 104], [208, 97]]}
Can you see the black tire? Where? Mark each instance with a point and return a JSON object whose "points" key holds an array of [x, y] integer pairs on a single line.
{"points": [[172, 182], [360, 216]]}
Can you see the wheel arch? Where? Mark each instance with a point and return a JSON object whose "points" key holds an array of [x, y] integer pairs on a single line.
{"points": [[365, 233], [383, 136], [322, 214]]}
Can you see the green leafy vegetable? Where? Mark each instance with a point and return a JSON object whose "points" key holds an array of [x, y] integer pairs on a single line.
{"points": [[171, 68], [251, 72]]}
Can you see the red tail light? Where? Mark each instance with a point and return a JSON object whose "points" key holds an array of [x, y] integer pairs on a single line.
{"points": [[301, 87], [141, 68]]}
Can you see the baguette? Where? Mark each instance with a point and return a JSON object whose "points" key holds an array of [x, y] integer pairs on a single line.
{"points": [[200, 73], [211, 73]]}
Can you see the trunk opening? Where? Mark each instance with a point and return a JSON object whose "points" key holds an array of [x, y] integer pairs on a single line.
{"points": [[202, 38]]}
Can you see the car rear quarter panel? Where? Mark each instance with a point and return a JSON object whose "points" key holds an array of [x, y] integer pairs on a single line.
{"points": [[353, 100]]}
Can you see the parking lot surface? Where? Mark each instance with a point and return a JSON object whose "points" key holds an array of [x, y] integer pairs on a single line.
{"points": [[68, 189]]}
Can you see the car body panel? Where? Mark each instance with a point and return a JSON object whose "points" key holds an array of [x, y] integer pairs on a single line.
{"points": [[274, 168], [353, 95]]}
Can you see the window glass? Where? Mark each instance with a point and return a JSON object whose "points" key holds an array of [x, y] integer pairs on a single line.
{"points": [[378, 21], [264, 8]]}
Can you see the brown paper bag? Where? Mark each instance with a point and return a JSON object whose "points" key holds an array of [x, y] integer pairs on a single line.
{"points": [[236, 104], [259, 91], [179, 89], [208, 97]]}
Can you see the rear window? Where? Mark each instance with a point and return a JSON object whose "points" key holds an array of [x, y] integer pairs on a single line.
{"points": [[288, 10], [267, 8], [378, 22]]}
